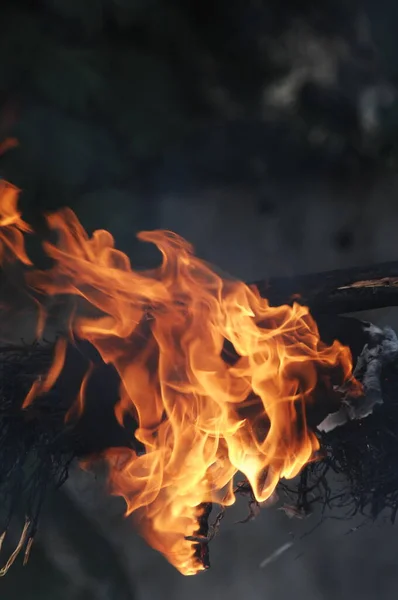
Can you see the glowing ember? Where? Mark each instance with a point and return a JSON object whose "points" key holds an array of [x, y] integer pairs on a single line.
{"points": [[203, 413]]}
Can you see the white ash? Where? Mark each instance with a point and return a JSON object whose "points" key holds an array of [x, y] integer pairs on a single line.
{"points": [[382, 349]]}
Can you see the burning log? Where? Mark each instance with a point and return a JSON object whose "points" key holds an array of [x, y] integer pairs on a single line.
{"points": [[179, 379], [37, 437], [341, 291]]}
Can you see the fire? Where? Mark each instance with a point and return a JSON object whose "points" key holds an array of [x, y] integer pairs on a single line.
{"points": [[42, 386], [217, 379], [12, 227]]}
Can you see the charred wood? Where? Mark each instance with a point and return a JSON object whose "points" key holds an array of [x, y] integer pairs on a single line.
{"points": [[337, 292]]}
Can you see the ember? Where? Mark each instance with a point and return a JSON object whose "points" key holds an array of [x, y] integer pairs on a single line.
{"points": [[202, 416]]}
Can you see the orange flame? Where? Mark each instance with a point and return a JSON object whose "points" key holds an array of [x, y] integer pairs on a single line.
{"points": [[42, 386], [202, 416], [12, 227]]}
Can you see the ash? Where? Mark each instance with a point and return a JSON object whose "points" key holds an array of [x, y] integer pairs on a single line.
{"points": [[381, 350], [359, 443]]}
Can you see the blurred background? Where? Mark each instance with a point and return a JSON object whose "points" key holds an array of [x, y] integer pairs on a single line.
{"points": [[266, 133]]}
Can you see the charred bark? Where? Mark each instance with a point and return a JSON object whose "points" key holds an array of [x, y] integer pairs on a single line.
{"points": [[337, 292]]}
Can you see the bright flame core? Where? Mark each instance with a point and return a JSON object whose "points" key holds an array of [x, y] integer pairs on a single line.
{"points": [[202, 416]]}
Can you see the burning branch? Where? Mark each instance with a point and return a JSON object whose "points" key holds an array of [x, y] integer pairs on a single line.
{"points": [[41, 427], [179, 379], [337, 292]]}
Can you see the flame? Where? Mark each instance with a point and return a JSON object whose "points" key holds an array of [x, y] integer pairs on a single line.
{"points": [[12, 227], [203, 414], [42, 386], [77, 408]]}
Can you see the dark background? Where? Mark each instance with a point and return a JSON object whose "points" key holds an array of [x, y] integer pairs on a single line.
{"points": [[264, 132]]}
